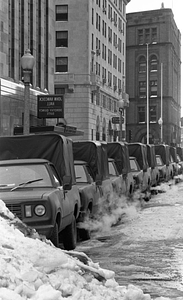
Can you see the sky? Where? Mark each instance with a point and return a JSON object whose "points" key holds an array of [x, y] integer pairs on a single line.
{"points": [[136, 5], [32, 268]]}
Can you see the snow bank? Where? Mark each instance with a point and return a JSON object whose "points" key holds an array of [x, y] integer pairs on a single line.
{"points": [[34, 269]]}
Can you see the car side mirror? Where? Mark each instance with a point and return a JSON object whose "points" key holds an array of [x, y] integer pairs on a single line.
{"points": [[67, 182]]}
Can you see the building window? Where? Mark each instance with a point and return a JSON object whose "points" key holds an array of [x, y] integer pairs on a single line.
{"points": [[140, 37], [98, 99], [142, 64], [153, 64], [61, 12], [147, 35], [152, 114], [142, 89], [141, 114], [61, 38], [154, 34], [61, 64], [59, 90], [153, 88], [104, 102]]}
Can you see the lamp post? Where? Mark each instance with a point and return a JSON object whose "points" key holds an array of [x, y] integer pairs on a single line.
{"points": [[160, 122], [27, 63], [121, 112], [147, 93]]}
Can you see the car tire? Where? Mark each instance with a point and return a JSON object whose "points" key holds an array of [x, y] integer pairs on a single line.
{"points": [[70, 235], [54, 237], [83, 233]]}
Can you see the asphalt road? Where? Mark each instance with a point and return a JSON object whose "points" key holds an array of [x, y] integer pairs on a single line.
{"points": [[145, 247]]}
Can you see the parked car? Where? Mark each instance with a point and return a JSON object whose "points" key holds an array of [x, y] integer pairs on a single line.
{"points": [[174, 161], [116, 178], [137, 173], [33, 191], [164, 151], [89, 195], [119, 152], [151, 158], [139, 151], [161, 168], [56, 149], [95, 156], [180, 158]]}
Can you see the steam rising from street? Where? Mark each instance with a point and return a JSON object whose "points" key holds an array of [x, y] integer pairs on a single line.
{"points": [[122, 209]]}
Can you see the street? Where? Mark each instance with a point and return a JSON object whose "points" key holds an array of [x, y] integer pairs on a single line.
{"points": [[145, 247]]}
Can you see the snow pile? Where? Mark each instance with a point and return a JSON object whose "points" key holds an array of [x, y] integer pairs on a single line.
{"points": [[34, 269]]}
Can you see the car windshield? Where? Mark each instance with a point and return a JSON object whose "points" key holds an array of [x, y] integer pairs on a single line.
{"points": [[134, 165], [24, 176]]}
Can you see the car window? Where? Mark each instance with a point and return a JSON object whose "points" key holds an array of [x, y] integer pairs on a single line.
{"points": [[80, 174], [133, 165], [178, 158], [112, 170], [159, 161], [15, 175], [55, 176]]}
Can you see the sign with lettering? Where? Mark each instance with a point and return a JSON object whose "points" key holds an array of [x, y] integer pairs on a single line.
{"points": [[50, 106]]}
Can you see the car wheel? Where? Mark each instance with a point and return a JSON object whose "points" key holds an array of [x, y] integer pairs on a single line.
{"points": [[70, 235], [54, 237]]}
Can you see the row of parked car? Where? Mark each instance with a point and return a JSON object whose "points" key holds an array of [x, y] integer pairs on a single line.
{"points": [[53, 184]]}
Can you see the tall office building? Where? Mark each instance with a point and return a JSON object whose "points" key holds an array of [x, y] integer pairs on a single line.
{"points": [[153, 77], [24, 25], [80, 53], [90, 64]]}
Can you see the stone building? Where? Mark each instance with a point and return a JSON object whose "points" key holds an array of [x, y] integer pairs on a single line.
{"points": [[153, 56], [80, 53], [24, 25]]}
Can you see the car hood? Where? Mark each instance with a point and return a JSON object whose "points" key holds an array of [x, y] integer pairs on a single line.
{"points": [[23, 193]]}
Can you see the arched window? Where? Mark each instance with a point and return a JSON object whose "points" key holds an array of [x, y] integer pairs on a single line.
{"points": [[153, 63]]}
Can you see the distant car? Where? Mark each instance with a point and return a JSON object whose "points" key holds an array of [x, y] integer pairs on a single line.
{"points": [[118, 183], [164, 151], [161, 167], [90, 193], [139, 151], [174, 161], [137, 173], [180, 163], [151, 158], [33, 191], [118, 151]]}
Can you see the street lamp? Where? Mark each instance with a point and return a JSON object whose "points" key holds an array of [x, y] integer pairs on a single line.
{"points": [[121, 111], [160, 122], [147, 93], [27, 63]]}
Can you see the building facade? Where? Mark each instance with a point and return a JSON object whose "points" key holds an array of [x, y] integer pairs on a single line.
{"points": [[153, 77], [90, 64], [24, 25], [80, 53]]}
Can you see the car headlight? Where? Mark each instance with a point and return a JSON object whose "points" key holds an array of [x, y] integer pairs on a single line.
{"points": [[40, 210]]}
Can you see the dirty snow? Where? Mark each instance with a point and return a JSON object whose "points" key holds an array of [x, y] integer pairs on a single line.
{"points": [[32, 268]]}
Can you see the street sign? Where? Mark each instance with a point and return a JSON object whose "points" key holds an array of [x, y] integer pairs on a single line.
{"points": [[50, 106], [115, 120]]}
